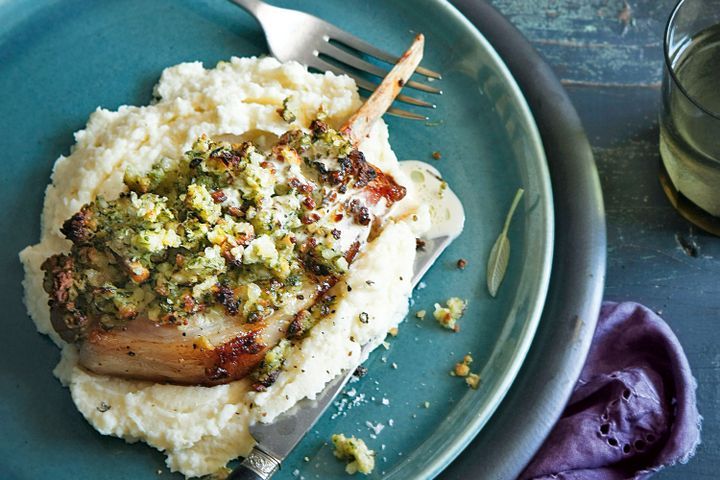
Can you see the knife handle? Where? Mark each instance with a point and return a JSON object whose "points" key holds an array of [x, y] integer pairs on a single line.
{"points": [[259, 465]]}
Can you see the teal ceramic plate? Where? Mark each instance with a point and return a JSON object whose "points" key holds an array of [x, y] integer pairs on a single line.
{"points": [[59, 60]]}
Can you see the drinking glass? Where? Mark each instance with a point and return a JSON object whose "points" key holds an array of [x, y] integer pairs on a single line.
{"points": [[690, 117]]}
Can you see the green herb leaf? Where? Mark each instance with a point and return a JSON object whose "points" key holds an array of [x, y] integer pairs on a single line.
{"points": [[500, 253], [285, 112], [497, 264]]}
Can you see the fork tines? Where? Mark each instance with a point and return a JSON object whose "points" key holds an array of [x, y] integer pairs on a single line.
{"points": [[315, 43], [340, 57]]}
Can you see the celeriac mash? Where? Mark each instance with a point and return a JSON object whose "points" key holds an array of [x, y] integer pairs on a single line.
{"points": [[200, 429]]}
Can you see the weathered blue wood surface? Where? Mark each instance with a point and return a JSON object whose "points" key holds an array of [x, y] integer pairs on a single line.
{"points": [[608, 54]]}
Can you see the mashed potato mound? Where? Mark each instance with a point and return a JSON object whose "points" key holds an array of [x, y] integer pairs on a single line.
{"points": [[200, 429]]}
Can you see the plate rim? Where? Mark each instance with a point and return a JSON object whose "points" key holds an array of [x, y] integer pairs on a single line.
{"points": [[460, 442], [576, 287]]}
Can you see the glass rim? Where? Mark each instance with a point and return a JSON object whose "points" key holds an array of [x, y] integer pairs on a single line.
{"points": [[669, 66]]}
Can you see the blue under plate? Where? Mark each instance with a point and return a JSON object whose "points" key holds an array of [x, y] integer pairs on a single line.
{"points": [[59, 60]]}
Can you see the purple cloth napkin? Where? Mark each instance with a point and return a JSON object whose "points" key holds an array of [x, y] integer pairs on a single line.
{"points": [[633, 410]]}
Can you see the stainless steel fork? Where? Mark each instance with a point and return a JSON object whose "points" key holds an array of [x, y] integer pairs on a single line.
{"points": [[294, 35]]}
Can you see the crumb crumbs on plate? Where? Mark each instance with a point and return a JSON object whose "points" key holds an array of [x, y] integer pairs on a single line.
{"points": [[473, 381], [449, 315], [354, 450], [462, 369]]}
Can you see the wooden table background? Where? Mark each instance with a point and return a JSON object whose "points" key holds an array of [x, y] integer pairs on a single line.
{"points": [[608, 54]]}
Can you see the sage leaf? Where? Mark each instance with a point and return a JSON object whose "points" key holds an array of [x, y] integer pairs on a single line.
{"points": [[497, 265], [500, 253]]}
